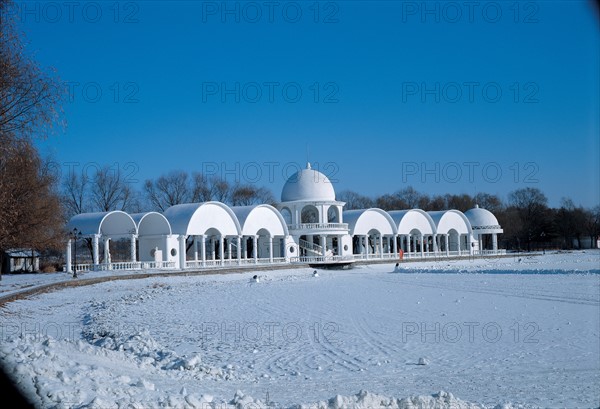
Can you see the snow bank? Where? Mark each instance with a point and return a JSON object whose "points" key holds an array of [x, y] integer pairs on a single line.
{"points": [[367, 400]]}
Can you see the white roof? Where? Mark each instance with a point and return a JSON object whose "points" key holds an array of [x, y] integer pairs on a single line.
{"points": [[308, 184], [260, 217], [362, 222], [22, 253], [409, 220], [480, 217], [151, 223], [199, 218], [108, 224], [446, 220]]}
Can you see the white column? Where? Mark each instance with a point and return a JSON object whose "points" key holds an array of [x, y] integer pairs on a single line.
{"points": [[245, 247], [380, 245], [238, 242], [422, 246], [133, 252], [480, 243], [447, 242], [95, 249], [229, 245], [182, 258], [68, 257], [203, 249], [323, 240], [435, 244], [107, 250], [196, 248], [395, 244], [211, 242], [255, 248], [221, 249], [408, 239], [367, 246], [271, 249], [166, 253], [495, 241]]}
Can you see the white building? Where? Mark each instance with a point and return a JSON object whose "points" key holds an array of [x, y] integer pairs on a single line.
{"points": [[308, 226]]}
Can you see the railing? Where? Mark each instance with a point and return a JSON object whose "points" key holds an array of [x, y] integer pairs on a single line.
{"points": [[82, 267], [499, 252], [126, 265], [162, 265], [134, 265], [320, 259], [233, 262], [306, 245], [156, 265], [318, 226]]}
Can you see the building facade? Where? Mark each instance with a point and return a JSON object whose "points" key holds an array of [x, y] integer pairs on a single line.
{"points": [[308, 226]]}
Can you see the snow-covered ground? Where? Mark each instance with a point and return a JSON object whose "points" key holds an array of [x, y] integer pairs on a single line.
{"points": [[518, 331]]}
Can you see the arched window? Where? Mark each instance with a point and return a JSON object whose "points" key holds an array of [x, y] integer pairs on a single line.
{"points": [[310, 214], [333, 215], [287, 215]]}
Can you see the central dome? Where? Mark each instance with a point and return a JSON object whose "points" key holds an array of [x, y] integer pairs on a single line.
{"points": [[308, 184], [479, 218]]}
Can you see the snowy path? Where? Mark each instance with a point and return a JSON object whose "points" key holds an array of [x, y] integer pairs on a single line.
{"points": [[489, 338]]}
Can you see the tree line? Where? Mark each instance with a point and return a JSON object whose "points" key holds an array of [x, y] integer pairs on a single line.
{"points": [[107, 189]]}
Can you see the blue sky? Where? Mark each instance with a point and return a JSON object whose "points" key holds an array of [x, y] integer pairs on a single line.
{"points": [[443, 96]]}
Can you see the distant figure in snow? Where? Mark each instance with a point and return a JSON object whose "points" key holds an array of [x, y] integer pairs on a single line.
{"points": [[315, 274], [255, 279], [397, 267]]}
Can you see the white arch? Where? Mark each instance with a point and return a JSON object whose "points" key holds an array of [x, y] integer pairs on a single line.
{"points": [[255, 218], [151, 224], [361, 222], [112, 224], [196, 218], [408, 220], [446, 220]]}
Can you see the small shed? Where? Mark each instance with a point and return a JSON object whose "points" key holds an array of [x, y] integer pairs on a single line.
{"points": [[20, 261]]}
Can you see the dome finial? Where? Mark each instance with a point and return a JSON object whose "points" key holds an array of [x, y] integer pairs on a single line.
{"points": [[476, 206], [307, 165]]}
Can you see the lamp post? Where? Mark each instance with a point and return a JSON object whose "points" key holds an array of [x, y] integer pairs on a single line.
{"points": [[76, 234]]}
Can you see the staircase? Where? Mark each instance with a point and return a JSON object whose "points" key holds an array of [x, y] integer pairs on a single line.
{"points": [[313, 249]]}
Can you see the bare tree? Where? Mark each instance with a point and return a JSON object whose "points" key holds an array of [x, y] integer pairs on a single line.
{"points": [[354, 200], [207, 188], [531, 206], [490, 202], [200, 188], [409, 197], [168, 190], [436, 203], [592, 224], [461, 202], [220, 190], [109, 191], [29, 97], [389, 202], [245, 195], [75, 194]]}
